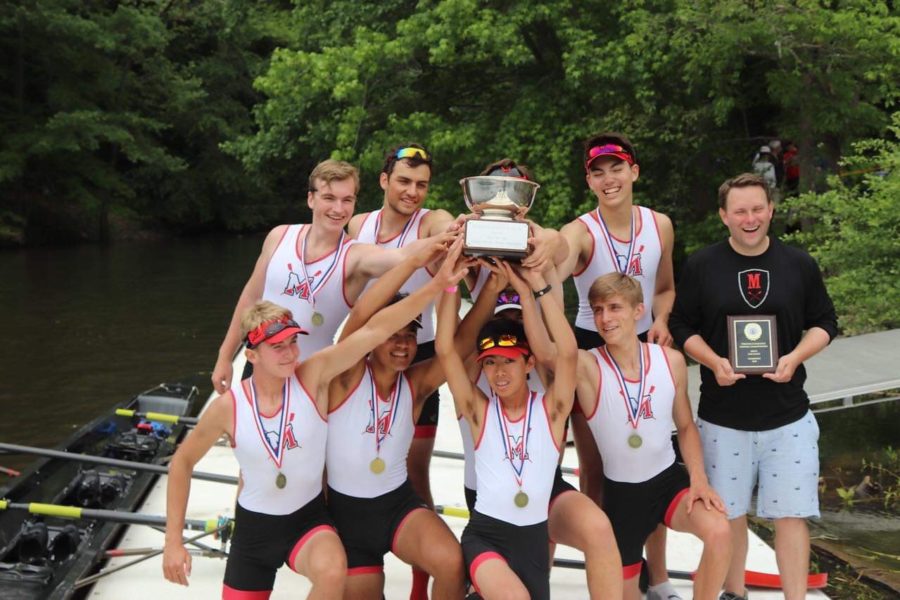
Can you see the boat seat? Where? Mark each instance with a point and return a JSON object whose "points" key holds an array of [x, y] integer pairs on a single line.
{"points": [[162, 404]]}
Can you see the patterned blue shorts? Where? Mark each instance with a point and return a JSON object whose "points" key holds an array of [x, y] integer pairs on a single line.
{"points": [[783, 462]]}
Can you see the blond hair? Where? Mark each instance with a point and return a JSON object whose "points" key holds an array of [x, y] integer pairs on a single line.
{"points": [[260, 313], [331, 170], [616, 284]]}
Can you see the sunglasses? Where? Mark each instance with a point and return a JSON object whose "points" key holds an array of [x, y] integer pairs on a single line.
{"points": [[508, 298], [269, 329], [412, 152], [503, 341], [610, 149]]}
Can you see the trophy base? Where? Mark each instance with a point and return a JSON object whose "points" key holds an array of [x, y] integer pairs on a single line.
{"points": [[503, 239]]}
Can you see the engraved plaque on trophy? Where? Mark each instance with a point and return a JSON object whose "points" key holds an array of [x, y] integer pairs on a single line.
{"points": [[497, 201], [753, 343]]}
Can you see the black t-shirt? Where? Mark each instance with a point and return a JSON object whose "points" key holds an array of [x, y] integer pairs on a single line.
{"points": [[783, 281]]}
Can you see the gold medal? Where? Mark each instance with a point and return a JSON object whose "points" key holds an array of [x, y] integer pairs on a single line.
{"points": [[521, 499], [280, 481], [318, 319], [377, 465], [635, 441]]}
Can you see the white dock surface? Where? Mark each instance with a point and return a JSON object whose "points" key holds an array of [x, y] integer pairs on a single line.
{"points": [[209, 500]]}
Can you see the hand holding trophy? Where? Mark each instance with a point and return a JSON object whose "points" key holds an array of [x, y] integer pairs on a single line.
{"points": [[500, 199]]}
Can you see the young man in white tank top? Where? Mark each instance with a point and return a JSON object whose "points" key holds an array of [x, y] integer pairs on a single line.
{"points": [[632, 394], [518, 436], [401, 220], [619, 236], [276, 422], [313, 270]]}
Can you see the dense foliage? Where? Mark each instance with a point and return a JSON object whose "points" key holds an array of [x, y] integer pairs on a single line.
{"points": [[209, 115]]}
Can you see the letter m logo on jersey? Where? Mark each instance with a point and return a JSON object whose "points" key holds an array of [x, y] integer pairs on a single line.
{"points": [[754, 286]]}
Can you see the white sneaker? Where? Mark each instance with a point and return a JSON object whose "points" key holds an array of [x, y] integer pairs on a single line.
{"points": [[663, 591]]}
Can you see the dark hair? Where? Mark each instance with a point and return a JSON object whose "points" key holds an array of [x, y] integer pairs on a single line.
{"points": [[609, 137], [506, 166], [390, 158], [741, 181]]}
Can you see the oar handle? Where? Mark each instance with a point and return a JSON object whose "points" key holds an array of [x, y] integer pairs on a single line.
{"points": [[75, 512], [156, 416]]}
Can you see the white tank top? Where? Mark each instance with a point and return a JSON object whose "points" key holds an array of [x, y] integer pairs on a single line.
{"points": [[368, 233], [534, 384], [498, 480], [645, 254], [324, 276], [611, 422], [352, 440], [297, 452]]}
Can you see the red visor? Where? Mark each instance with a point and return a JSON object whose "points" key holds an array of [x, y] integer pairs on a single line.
{"points": [[608, 150], [512, 352], [273, 332]]}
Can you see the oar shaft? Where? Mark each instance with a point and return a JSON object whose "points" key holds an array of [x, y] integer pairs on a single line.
{"points": [[116, 516], [157, 416], [112, 462]]}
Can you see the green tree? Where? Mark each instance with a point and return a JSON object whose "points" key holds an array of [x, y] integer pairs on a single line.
{"points": [[854, 234]]}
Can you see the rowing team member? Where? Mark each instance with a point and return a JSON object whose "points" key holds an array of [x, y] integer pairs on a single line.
{"points": [[276, 421]]}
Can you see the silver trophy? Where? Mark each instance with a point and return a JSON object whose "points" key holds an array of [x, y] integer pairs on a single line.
{"points": [[497, 201]]}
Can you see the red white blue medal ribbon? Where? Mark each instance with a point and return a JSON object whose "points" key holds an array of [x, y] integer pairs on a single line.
{"points": [[401, 239], [314, 287], [611, 246], [508, 449], [392, 415], [275, 451], [633, 407]]}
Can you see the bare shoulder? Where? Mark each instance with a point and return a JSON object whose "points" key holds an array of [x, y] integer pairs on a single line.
{"points": [[356, 223], [675, 358], [437, 217], [220, 411], [664, 223]]}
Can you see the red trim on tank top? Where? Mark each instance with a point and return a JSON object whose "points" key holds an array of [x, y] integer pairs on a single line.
{"points": [[668, 366], [587, 263], [351, 392], [344, 275], [412, 400], [653, 214], [362, 225], [310, 397], [233, 419], [549, 424], [477, 443], [297, 248], [299, 545], [596, 358]]}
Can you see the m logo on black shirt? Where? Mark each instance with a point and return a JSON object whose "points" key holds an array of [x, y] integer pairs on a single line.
{"points": [[754, 286]]}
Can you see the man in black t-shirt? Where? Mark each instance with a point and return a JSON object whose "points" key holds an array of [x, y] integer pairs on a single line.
{"points": [[757, 429]]}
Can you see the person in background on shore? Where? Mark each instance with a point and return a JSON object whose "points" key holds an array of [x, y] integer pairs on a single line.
{"points": [[314, 270], [619, 237], [633, 394], [757, 429], [400, 221]]}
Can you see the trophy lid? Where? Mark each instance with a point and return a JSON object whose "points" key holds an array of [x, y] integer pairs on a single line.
{"points": [[491, 193]]}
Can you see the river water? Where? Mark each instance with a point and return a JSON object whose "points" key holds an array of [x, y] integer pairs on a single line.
{"points": [[84, 327]]}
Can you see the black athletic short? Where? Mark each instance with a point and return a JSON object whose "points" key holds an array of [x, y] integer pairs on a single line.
{"points": [[426, 426], [368, 526], [262, 543], [523, 547], [635, 510], [560, 486]]}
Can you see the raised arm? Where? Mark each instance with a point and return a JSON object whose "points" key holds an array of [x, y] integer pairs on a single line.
{"points": [[538, 339], [386, 287], [465, 394], [251, 294], [333, 360], [215, 422]]}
